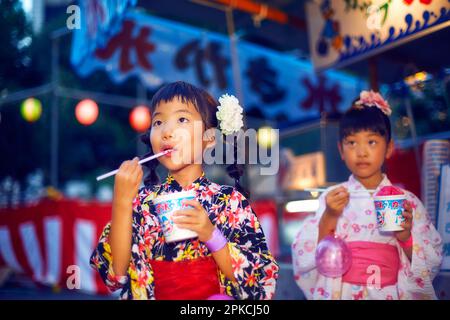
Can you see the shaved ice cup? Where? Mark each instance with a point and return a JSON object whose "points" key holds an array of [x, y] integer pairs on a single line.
{"points": [[164, 206], [389, 212]]}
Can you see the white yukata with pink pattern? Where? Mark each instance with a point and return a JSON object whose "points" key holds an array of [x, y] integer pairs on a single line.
{"points": [[358, 223]]}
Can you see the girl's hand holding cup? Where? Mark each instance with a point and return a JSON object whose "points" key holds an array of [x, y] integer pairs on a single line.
{"points": [[195, 219], [407, 223]]}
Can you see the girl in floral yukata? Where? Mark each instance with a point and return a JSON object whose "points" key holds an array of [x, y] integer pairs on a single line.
{"points": [[407, 260], [230, 256]]}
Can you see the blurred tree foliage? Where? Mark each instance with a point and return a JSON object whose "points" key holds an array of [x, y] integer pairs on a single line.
{"points": [[84, 151], [15, 37], [430, 104]]}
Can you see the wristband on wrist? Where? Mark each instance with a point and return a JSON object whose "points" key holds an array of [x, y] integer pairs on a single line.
{"points": [[217, 241], [406, 244]]}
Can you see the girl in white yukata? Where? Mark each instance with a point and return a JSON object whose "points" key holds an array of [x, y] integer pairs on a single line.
{"points": [[406, 261]]}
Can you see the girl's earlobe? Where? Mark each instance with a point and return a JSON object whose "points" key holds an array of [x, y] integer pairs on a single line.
{"points": [[390, 149], [210, 138], [209, 134]]}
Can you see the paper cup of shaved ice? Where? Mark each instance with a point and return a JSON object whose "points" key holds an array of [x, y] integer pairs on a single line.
{"points": [[389, 202], [165, 206]]}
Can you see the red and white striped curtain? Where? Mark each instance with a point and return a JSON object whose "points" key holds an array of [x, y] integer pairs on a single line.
{"points": [[53, 240]]}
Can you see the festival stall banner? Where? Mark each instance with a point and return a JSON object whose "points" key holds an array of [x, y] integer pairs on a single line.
{"points": [[52, 242], [99, 20], [342, 32], [158, 51]]}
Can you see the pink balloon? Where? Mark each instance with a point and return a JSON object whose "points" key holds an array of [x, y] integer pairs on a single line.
{"points": [[220, 297], [333, 257]]}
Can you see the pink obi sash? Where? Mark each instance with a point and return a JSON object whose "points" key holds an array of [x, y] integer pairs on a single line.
{"points": [[370, 259]]}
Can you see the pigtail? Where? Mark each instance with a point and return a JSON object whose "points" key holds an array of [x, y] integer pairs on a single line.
{"points": [[152, 177], [236, 171]]}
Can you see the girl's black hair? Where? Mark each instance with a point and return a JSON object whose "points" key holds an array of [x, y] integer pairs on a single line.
{"points": [[364, 118], [206, 105]]}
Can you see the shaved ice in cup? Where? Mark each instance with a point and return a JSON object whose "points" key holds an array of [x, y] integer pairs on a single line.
{"points": [[164, 206], [389, 202]]}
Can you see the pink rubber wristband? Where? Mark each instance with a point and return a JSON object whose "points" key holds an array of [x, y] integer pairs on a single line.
{"points": [[217, 241], [406, 244]]}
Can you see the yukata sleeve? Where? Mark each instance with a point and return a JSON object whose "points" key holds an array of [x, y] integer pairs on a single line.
{"points": [[254, 267], [416, 276], [304, 251], [138, 281]]}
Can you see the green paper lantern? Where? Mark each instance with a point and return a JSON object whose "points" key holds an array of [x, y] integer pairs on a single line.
{"points": [[31, 109]]}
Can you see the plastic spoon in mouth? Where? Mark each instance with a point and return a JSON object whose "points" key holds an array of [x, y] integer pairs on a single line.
{"points": [[111, 173], [168, 152]]}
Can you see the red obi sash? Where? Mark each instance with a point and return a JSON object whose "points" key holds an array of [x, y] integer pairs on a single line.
{"points": [[185, 280], [379, 261]]}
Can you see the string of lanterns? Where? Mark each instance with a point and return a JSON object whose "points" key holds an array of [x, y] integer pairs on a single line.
{"points": [[86, 113]]}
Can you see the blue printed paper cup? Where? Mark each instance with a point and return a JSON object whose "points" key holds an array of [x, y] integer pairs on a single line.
{"points": [[164, 206], [389, 212]]}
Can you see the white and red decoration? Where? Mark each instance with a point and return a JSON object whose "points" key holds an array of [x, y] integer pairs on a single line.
{"points": [[53, 240]]}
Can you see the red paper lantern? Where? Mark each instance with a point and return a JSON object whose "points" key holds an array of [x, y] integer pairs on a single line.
{"points": [[86, 112], [140, 118]]}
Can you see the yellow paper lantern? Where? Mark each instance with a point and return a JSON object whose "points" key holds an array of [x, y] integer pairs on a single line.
{"points": [[31, 109], [267, 136], [86, 112]]}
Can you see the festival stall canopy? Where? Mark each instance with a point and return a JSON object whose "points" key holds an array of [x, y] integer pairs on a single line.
{"points": [[342, 32], [156, 50]]}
